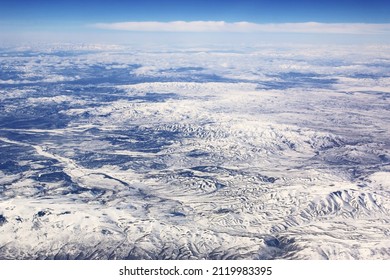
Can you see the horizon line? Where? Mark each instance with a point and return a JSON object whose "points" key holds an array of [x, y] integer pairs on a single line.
{"points": [[245, 27]]}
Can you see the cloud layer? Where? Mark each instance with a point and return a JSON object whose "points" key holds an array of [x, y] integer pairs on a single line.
{"points": [[247, 27]]}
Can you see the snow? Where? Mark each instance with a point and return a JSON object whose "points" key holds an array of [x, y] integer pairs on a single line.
{"points": [[282, 154]]}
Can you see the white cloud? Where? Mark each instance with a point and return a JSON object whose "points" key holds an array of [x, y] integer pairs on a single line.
{"points": [[248, 27]]}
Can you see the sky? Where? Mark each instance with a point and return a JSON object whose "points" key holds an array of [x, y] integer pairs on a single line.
{"points": [[75, 19]]}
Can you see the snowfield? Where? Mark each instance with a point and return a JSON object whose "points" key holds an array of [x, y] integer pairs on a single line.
{"points": [[111, 152]]}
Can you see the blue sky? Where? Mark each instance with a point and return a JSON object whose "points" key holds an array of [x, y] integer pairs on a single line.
{"points": [[80, 16], [259, 11]]}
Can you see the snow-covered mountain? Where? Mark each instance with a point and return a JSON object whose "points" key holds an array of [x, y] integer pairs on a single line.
{"points": [[263, 152]]}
